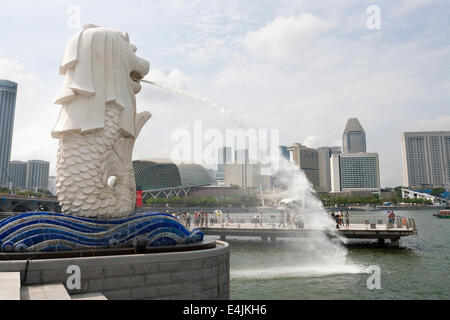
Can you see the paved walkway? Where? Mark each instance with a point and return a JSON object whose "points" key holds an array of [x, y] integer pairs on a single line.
{"points": [[268, 226]]}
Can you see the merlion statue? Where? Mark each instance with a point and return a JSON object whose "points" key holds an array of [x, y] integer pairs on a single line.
{"points": [[96, 128], [98, 124]]}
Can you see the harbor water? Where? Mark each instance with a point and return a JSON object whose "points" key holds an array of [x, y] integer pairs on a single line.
{"points": [[297, 269]]}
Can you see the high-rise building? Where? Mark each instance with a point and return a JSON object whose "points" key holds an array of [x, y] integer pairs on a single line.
{"points": [[17, 174], [241, 172], [284, 152], [52, 185], [354, 137], [8, 93], [37, 175], [243, 175], [355, 172], [224, 157], [307, 159], [325, 154], [241, 156], [336, 150], [426, 159]]}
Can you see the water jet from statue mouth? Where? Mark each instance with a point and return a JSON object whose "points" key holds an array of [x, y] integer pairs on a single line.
{"points": [[135, 76]]}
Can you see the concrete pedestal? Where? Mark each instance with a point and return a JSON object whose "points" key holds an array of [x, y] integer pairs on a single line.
{"points": [[199, 274]]}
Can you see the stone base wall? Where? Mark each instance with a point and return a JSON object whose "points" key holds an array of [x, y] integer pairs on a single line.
{"points": [[191, 275]]}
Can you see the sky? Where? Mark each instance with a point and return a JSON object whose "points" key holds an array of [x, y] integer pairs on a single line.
{"points": [[301, 67]]}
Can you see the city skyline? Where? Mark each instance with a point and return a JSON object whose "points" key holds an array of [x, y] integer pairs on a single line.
{"points": [[225, 56]]}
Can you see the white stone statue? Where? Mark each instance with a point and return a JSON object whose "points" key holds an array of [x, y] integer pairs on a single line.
{"points": [[98, 124]]}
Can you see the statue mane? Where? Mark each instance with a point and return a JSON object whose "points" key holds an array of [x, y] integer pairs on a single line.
{"points": [[97, 64]]}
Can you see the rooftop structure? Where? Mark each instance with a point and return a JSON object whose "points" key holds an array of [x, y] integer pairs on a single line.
{"points": [[162, 177], [354, 137]]}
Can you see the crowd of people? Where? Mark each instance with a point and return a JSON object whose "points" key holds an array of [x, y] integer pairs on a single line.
{"points": [[199, 218], [204, 218], [288, 219], [341, 218], [291, 220]]}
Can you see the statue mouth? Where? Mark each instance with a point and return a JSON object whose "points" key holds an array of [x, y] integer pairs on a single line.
{"points": [[136, 77]]}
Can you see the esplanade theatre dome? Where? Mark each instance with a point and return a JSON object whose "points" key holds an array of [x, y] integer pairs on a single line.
{"points": [[163, 174]]}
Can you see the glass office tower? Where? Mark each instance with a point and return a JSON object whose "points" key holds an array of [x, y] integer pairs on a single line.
{"points": [[8, 93]]}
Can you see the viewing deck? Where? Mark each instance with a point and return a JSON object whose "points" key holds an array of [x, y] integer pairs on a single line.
{"points": [[381, 231]]}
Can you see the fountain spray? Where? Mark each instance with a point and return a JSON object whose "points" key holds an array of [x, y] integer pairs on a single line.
{"points": [[320, 254], [213, 106]]}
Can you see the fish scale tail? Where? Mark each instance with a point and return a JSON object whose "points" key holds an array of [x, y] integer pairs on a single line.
{"points": [[80, 186]]}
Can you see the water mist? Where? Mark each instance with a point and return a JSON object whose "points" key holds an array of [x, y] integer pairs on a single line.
{"points": [[320, 253]]}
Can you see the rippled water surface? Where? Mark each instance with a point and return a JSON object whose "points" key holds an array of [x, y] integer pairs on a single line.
{"points": [[293, 269]]}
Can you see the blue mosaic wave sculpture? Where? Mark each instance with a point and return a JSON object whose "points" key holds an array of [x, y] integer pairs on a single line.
{"points": [[44, 231]]}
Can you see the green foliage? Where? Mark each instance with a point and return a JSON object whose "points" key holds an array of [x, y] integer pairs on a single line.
{"points": [[346, 201], [398, 192], [417, 201], [206, 202], [28, 193], [437, 192]]}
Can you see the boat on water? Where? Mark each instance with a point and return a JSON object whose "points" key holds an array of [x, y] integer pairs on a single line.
{"points": [[445, 213]]}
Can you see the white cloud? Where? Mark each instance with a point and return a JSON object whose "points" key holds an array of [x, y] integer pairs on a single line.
{"points": [[309, 81], [285, 37], [175, 78], [34, 116]]}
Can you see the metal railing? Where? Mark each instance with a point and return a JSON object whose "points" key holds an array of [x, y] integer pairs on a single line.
{"points": [[236, 221]]}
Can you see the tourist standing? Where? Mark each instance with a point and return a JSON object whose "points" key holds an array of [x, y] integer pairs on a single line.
{"points": [[188, 219], [336, 218], [282, 219], [196, 218], [391, 217], [218, 215], [347, 219], [288, 219], [300, 222], [341, 218]]}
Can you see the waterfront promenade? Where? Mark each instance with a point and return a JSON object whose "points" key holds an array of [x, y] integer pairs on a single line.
{"points": [[379, 230], [361, 227]]}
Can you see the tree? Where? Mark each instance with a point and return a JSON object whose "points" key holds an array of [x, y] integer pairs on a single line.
{"points": [[398, 192], [437, 192]]}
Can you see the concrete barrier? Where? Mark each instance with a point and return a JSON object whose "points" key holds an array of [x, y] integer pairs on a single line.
{"points": [[199, 275]]}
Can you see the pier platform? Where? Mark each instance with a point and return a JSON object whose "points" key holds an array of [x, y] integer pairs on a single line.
{"points": [[381, 231]]}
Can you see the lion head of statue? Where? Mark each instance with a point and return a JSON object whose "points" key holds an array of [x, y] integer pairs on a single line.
{"points": [[100, 67]]}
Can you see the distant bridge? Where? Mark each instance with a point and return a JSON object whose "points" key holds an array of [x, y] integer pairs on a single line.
{"points": [[15, 203]]}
